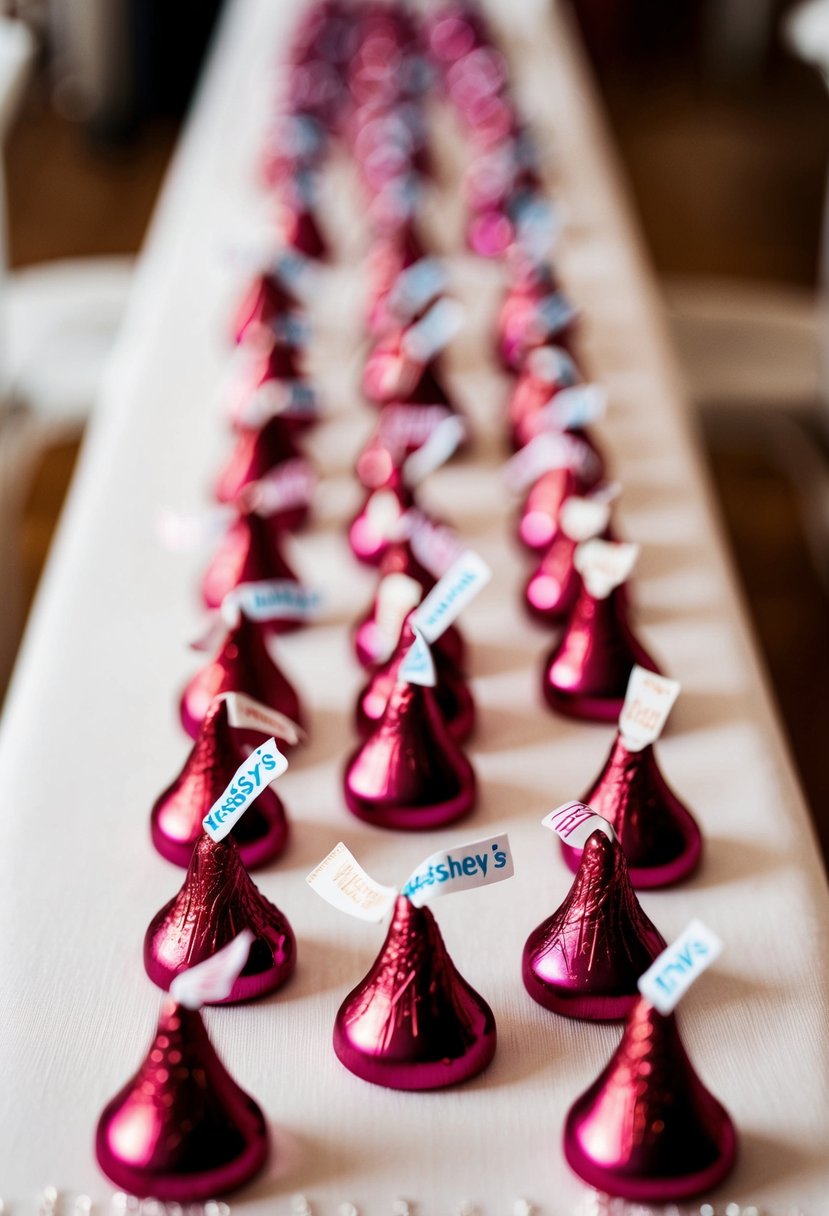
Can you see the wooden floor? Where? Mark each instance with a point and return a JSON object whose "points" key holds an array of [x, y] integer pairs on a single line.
{"points": [[722, 188]]}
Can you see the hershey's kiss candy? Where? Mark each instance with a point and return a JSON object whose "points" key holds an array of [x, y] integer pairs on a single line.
{"points": [[273, 384], [244, 664], [584, 961], [379, 520], [181, 1129], [647, 1129], [392, 254], [534, 313], [176, 818], [454, 700], [414, 1022], [660, 837], [410, 773], [539, 517], [553, 587], [587, 672], [250, 552], [217, 901], [546, 371], [257, 453]]}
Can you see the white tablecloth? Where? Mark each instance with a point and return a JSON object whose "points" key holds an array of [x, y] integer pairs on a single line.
{"points": [[90, 735]]}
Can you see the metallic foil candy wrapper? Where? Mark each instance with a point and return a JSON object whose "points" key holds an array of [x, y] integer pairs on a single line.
{"points": [[659, 835], [267, 301], [376, 524], [217, 901], [244, 664], [584, 961], [647, 1129], [297, 219], [249, 552], [393, 253], [586, 674], [454, 700], [414, 1023], [176, 818], [538, 519], [181, 1129], [391, 375], [257, 453], [369, 645], [553, 587], [278, 364], [410, 773], [521, 325], [533, 391]]}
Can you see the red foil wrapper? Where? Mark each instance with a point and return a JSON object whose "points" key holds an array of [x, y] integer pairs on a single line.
{"points": [[647, 1129], [391, 375], [454, 700], [538, 519], [414, 1022], [584, 961], [250, 552], [534, 389], [277, 367], [297, 219], [243, 664], [587, 672], [257, 453], [659, 835], [392, 254], [410, 773], [553, 587], [217, 901], [267, 301], [176, 818], [181, 1129], [534, 313], [378, 522]]}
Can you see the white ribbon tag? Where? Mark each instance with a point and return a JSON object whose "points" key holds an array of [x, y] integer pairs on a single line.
{"points": [[418, 666], [583, 518], [604, 565], [571, 407], [441, 444], [279, 599], [342, 882], [479, 864], [575, 823], [434, 331], [671, 975], [251, 777], [213, 979], [549, 450], [397, 595], [434, 545], [460, 584], [648, 701], [289, 485], [245, 713]]}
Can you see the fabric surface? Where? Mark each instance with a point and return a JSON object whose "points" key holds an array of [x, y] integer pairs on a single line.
{"points": [[91, 735]]}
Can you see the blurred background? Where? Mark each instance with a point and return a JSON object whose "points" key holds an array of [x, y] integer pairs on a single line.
{"points": [[720, 110]]}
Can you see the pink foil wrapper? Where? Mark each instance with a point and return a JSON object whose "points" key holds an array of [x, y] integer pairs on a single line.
{"points": [[250, 552], [538, 518], [370, 537]]}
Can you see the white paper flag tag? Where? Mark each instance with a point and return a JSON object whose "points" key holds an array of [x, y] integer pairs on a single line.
{"points": [[245, 713], [402, 425], [547, 451], [342, 882], [605, 565], [273, 397], [186, 532], [648, 701], [555, 312], [418, 667], [578, 406], [291, 484], [213, 979], [397, 595], [479, 864], [443, 442], [382, 513], [434, 331], [279, 599], [575, 823], [460, 584], [251, 777], [552, 365], [583, 518], [671, 975], [415, 286], [434, 545]]}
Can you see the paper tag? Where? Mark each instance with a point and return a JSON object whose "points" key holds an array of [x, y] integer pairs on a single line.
{"points": [[549, 450], [434, 331], [291, 267], [575, 823], [340, 879], [583, 518], [479, 864], [382, 513], [648, 701], [397, 595], [604, 565], [552, 365], [460, 584], [576, 406], [185, 532], [671, 975], [291, 484], [245, 713], [418, 666], [279, 599], [213, 979], [441, 444], [272, 397], [251, 777], [555, 312], [538, 226], [403, 425], [415, 286], [435, 546], [291, 328]]}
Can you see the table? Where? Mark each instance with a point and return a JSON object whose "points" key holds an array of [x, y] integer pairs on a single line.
{"points": [[90, 734]]}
